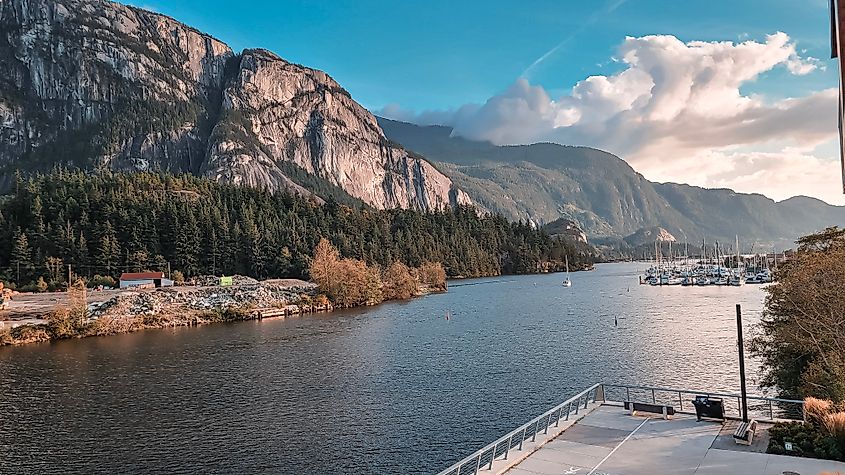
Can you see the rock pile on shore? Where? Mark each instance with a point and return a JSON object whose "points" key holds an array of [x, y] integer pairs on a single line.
{"points": [[271, 293], [213, 280]]}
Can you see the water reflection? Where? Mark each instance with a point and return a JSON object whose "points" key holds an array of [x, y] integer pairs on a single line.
{"points": [[397, 388]]}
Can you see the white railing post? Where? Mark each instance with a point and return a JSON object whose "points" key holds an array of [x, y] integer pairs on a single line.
{"points": [[508, 448]]}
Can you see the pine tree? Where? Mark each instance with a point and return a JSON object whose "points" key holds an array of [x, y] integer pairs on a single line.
{"points": [[20, 257], [108, 255]]}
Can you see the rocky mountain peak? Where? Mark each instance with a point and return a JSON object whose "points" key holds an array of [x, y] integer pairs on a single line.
{"points": [[93, 83]]}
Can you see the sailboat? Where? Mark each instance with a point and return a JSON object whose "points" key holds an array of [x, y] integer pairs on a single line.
{"points": [[567, 282]]}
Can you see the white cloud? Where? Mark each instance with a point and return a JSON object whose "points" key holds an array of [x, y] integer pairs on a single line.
{"points": [[676, 112]]}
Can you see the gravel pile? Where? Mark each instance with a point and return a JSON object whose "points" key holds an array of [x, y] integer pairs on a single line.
{"points": [[213, 280], [169, 300]]}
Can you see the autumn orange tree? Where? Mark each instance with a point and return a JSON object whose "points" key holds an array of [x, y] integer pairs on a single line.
{"points": [[801, 338], [347, 282], [399, 284], [433, 275], [324, 265]]}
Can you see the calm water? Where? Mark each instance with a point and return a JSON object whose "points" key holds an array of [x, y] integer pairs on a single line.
{"points": [[397, 388]]}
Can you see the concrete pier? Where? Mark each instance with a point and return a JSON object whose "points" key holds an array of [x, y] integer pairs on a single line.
{"points": [[607, 440]]}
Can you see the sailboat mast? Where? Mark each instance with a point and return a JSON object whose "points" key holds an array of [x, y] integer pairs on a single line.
{"points": [[737, 252]]}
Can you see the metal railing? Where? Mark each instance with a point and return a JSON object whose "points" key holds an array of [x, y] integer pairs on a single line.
{"points": [[759, 407], [500, 449], [768, 409]]}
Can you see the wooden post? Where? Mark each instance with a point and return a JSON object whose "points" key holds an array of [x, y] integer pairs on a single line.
{"points": [[741, 363]]}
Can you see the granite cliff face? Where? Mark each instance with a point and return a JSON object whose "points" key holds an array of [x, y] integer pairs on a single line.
{"points": [[97, 84], [274, 111]]}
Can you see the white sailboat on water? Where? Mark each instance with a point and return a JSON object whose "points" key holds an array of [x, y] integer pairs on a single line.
{"points": [[567, 282]]}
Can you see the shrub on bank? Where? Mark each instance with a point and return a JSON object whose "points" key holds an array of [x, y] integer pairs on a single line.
{"points": [[6, 337], [351, 282], [399, 284], [105, 281], [815, 409], [822, 436], [30, 334], [347, 282], [834, 425], [433, 275], [113, 325], [66, 323], [228, 314], [237, 314]]}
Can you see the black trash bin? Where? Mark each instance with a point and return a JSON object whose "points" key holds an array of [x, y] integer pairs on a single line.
{"points": [[709, 407]]}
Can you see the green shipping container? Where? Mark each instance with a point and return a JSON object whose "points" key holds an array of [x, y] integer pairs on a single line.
{"points": [[226, 281]]}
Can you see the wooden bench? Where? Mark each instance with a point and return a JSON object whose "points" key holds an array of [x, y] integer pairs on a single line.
{"points": [[636, 407], [744, 433]]}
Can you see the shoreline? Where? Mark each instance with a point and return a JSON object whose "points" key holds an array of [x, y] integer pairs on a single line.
{"points": [[49, 316], [120, 311], [128, 311]]}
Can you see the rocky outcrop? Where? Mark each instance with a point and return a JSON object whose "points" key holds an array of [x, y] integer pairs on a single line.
{"points": [[97, 84], [649, 236], [274, 111], [566, 228]]}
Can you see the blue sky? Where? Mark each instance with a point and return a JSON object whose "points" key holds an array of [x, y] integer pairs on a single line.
{"points": [[443, 53], [707, 93]]}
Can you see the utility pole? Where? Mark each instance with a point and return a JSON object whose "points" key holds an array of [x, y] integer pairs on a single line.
{"points": [[741, 363], [169, 275]]}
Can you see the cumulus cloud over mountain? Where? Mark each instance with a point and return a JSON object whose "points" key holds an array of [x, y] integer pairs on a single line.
{"points": [[677, 112]]}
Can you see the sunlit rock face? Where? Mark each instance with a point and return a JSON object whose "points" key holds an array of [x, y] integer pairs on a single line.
{"points": [[274, 111], [650, 235], [97, 84]]}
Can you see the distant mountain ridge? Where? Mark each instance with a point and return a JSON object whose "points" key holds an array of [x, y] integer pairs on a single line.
{"points": [[96, 84], [604, 195]]}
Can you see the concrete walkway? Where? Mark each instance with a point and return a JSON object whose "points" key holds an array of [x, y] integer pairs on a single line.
{"points": [[608, 441]]}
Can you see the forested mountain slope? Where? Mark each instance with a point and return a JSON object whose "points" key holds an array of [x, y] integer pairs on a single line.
{"points": [[608, 198]]}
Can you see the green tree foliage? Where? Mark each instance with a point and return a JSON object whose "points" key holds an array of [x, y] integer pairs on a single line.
{"points": [[20, 255], [802, 337], [111, 223]]}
